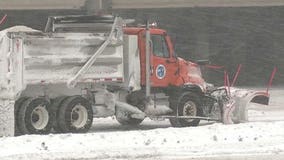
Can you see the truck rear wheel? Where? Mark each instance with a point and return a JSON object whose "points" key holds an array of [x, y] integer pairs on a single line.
{"points": [[75, 115], [55, 106], [34, 116], [188, 104], [18, 104]]}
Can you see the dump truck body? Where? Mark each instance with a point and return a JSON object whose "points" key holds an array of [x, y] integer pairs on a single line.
{"points": [[36, 58]]}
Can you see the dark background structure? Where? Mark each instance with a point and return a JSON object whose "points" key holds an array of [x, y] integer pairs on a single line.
{"points": [[251, 36]]}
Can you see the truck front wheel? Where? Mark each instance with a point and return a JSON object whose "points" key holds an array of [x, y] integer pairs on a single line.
{"points": [[188, 104], [75, 115], [34, 116]]}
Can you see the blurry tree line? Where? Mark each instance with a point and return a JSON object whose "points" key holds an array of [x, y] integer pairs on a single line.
{"points": [[251, 36]]}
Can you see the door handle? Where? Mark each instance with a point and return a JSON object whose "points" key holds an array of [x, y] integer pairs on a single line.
{"points": [[151, 70]]}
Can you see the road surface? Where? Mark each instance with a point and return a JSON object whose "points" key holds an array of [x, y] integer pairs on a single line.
{"points": [[262, 138]]}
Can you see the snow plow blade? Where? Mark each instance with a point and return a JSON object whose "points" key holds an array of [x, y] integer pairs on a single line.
{"points": [[236, 111]]}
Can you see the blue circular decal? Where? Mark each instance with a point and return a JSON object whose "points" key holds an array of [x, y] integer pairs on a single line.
{"points": [[160, 71]]}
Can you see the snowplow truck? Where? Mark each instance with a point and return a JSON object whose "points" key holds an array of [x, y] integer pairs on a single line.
{"points": [[83, 67]]}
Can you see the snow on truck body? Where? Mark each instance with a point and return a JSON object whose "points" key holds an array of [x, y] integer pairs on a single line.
{"points": [[34, 58]]}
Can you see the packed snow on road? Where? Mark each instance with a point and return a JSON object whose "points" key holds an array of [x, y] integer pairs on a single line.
{"points": [[261, 138]]}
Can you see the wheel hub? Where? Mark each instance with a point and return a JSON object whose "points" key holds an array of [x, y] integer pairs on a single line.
{"points": [[79, 116], [35, 118], [75, 116], [189, 109], [39, 117]]}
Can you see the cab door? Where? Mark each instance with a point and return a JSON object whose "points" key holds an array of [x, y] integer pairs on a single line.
{"points": [[164, 65]]}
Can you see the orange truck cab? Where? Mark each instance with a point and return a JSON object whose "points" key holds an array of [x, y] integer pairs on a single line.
{"points": [[167, 69]]}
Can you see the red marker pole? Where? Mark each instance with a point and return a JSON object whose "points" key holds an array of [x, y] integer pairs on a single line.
{"points": [[214, 66], [228, 84], [236, 75], [3, 19], [271, 79], [225, 78]]}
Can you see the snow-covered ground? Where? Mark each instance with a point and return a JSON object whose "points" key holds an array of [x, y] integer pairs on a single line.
{"points": [[261, 139]]}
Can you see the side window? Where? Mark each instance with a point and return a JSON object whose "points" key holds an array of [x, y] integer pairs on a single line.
{"points": [[160, 47]]}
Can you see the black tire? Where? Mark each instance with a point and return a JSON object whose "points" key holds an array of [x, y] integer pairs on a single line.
{"points": [[34, 116], [76, 108], [192, 103], [55, 106], [18, 104]]}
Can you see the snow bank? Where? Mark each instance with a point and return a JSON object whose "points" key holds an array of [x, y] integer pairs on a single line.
{"points": [[264, 138]]}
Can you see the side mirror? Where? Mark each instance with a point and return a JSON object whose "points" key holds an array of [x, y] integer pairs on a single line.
{"points": [[203, 62]]}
